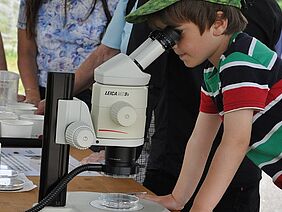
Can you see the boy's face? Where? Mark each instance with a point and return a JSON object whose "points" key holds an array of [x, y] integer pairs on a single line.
{"points": [[194, 48]]}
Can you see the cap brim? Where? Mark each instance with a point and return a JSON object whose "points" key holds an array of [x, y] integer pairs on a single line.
{"points": [[150, 7]]}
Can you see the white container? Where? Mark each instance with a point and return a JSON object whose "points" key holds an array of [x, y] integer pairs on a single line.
{"points": [[8, 115], [20, 109], [9, 82], [38, 121], [21, 104], [16, 128]]}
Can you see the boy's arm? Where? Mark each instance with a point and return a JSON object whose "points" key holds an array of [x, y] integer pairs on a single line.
{"points": [[3, 63], [196, 154], [27, 52], [227, 159]]}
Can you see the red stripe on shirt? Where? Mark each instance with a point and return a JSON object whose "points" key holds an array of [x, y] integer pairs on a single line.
{"points": [[207, 105], [274, 92], [242, 97], [278, 181]]}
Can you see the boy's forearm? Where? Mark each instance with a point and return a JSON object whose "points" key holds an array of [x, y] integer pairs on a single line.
{"points": [[221, 172], [191, 172], [196, 154], [84, 75]]}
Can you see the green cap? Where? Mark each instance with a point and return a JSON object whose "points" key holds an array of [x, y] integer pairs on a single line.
{"points": [[152, 6]]}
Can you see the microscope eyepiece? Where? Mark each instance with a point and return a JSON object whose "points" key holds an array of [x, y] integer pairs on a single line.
{"points": [[158, 42], [167, 37]]}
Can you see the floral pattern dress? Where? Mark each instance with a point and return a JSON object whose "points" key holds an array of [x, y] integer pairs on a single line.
{"points": [[64, 40]]}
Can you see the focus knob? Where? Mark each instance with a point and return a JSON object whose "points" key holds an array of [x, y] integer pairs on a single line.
{"points": [[79, 135], [122, 113]]}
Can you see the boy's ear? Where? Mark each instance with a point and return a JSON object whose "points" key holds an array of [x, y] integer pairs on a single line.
{"points": [[220, 24]]}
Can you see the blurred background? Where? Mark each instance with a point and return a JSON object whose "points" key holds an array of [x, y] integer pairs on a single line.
{"points": [[271, 197]]}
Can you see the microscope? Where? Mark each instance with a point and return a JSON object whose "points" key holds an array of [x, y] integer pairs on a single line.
{"points": [[117, 118]]}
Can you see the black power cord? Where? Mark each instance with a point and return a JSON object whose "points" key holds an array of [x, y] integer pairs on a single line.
{"points": [[63, 183]]}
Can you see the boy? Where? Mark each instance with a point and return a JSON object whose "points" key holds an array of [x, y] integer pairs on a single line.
{"points": [[242, 86]]}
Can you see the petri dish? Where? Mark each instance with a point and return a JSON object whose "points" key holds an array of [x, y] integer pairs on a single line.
{"points": [[118, 200], [10, 184], [7, 173]]}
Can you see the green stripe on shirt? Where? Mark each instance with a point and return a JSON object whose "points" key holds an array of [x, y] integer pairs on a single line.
{"points": [[262, 54], [273, 146]]}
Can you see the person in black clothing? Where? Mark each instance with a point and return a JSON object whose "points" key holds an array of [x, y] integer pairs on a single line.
{"points": [[174, 97]]}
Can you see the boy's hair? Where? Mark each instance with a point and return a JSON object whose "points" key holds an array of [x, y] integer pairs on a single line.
{"points": [[203, 13]]}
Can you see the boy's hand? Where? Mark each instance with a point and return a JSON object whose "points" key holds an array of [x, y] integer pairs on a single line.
{"points": [[40, 108], [167, 201]]}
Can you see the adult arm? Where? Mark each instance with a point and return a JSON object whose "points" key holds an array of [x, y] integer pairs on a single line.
{"points": [[3, 63], [84, 76], [196, 154], [227, 159], [27, 52]]}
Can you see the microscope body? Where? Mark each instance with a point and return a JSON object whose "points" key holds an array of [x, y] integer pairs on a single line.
{"points": [[117, 119], [119, 101], [119, 114]]}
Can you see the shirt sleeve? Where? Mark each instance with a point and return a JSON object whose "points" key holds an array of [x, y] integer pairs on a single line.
{"points": [[22, 15], [245, 83], [207, 105], [113, 34]]}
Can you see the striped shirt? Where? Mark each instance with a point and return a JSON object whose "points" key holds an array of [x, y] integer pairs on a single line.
{"points": [[249, 76]]}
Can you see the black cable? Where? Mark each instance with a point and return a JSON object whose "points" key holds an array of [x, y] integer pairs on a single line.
{"points": [[63, 183]]}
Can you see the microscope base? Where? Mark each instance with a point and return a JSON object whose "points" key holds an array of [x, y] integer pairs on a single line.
{"points": [[80, 202], [57, 209]]}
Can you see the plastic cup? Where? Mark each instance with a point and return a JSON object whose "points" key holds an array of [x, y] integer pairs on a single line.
{"points": [[20, 109], [16, 128], [38, 121], [9, 82], [8, 115]]}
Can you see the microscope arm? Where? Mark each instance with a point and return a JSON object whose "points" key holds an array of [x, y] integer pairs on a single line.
{"points": [[74, 124]]}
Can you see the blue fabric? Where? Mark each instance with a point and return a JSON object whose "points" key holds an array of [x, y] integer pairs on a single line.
{"points": [[118, 32], [65, 42]]}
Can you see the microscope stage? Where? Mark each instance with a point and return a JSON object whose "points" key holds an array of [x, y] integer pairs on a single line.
{"points": [[83, 201]]}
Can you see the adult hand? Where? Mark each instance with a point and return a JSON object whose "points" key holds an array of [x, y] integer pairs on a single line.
{"points": [[40, 107], [20, 98], [32, 96], [168, 201], [94, 157], [32, 100]]}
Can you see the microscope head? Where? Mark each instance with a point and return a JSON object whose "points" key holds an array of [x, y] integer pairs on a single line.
{"points": [[119, 100]]}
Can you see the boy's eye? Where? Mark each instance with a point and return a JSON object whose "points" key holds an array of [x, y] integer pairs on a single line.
{"points": [[178, 31]]}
